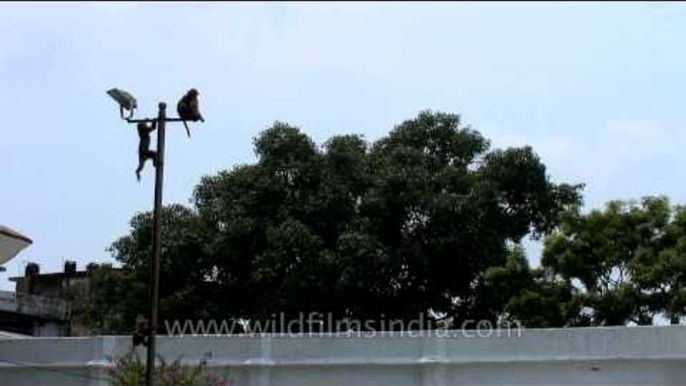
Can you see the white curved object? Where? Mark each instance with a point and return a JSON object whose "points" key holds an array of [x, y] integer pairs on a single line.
{"points": [[11, 243]]}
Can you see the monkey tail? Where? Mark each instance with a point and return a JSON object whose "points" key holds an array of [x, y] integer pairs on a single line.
{"points": [[187, 129]]}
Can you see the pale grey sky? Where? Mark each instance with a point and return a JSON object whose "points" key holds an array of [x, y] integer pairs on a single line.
{"points": [[596, 88]]}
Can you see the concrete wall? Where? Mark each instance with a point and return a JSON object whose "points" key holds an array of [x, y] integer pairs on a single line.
{"points": [[585, 356]]}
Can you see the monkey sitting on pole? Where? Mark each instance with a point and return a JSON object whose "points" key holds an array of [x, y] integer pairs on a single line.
{"points": [[188, 109], [144, 152]]}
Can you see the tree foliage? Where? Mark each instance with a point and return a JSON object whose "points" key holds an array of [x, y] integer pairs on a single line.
{"points": [[423, 221], [628, 261]]}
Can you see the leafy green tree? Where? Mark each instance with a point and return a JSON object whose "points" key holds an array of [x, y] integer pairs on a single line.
{"points": [[119, 296], [627, 260], [533, 298], [408, 225], [659, 266], [112, 304], [185, 268]]}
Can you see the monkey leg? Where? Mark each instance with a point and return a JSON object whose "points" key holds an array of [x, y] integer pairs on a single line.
{"points": [[153, 156], [142, 158], [141, 164]]}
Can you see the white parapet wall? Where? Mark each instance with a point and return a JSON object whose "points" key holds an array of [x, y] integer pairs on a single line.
{"points": [[578, 356]]}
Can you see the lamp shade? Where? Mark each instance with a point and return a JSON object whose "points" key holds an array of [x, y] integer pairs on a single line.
{"points": [[125, 99], [11, 243]]}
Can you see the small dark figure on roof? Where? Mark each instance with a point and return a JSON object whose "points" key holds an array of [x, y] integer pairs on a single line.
{"points": [[141, 335]]}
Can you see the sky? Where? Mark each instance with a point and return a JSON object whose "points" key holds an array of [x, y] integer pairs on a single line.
{"points": [[596, 88]]}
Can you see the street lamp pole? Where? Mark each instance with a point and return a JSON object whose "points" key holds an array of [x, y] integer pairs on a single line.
{"points": [[188, 110], [156, 245]]}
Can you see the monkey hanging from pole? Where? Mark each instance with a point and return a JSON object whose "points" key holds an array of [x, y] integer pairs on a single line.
{"points": [[188, 109], [144, 152]]}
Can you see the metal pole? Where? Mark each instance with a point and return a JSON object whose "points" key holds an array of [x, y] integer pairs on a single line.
{"points": [[156, 247]]}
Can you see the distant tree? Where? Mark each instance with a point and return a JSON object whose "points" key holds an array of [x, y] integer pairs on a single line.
{"points": [[659, 265], [111, 303], [627, 261]]}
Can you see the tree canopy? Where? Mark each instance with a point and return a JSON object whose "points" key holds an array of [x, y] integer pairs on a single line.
{"points": [[424, 221], [628, 261]]}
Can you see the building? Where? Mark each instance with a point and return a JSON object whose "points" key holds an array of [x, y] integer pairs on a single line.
{"points": [[43, 304]]}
